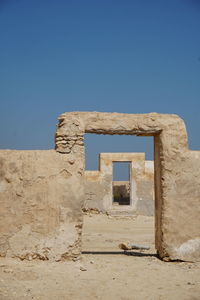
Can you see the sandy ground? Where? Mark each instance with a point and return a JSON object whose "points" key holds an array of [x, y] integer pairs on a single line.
{"points": [[104, 272]]}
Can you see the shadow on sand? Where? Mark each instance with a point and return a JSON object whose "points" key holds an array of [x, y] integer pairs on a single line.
{"points": [[131, 253]]}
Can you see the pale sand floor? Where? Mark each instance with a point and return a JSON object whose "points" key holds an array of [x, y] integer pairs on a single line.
{"points": [[107, 273]]}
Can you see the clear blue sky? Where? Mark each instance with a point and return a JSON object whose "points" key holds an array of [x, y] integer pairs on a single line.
{"points": [[134, 56]]}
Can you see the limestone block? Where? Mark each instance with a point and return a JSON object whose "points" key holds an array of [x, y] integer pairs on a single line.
{"points": [[41, 215]]}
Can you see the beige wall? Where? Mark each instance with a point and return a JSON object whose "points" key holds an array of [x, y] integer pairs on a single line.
{"points": [[40, 200], [99, 185], [177, 173], [42, 192]]}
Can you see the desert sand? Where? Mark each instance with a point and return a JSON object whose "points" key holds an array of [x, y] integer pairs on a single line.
{"points": [[105, 271]]}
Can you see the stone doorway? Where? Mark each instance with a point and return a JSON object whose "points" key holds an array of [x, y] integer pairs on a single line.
{"points": [[121, 185], [137, 186], [172, 161]]}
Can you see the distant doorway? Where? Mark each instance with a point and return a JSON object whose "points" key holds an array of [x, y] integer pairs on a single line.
{"points": [[121, 183]]}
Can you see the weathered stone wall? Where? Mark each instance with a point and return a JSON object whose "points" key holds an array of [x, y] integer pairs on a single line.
{"points": [[40, 200], [99, 185], [42, 192], [177, 174], [145, 191]]}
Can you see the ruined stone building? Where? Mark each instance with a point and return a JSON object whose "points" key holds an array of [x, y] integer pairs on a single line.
{"points": [[42, 193], [135, 196]]}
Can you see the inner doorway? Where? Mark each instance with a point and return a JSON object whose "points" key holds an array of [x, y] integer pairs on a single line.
{"points": [[121, 183]]}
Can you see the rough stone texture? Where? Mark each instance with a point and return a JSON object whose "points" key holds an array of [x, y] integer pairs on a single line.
{"points": [[177, 174], [42, 192], [99, 185], [40, 195]]}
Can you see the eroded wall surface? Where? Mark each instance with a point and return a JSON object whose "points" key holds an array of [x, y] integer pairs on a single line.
{"points": [[42, 192], [177, 173], [99, 185], [40, 200]]}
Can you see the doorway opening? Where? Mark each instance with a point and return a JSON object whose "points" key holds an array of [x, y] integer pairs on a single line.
{"points": [[108, 219], [121, 183]]}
